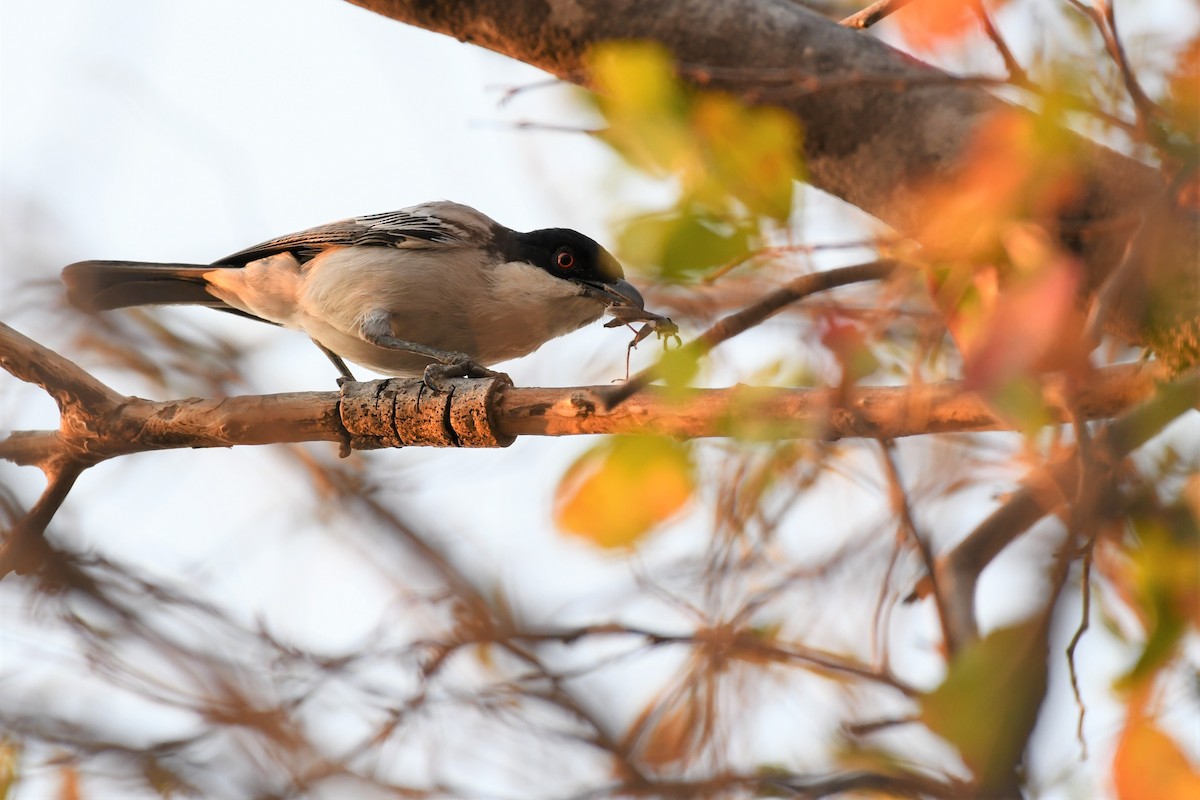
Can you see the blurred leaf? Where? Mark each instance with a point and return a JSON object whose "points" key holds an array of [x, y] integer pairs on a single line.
{"points": [[1016, 322], [751, 153], [1184, 90], [682, 243], [1019, 400], [678, 367], [644, 104], [1163, 565], [989, 701], [735, 165], [1149, 765], [850, 345], [932, 24], [1019, 167], [10, 762], [672, 737], [620, 489]]}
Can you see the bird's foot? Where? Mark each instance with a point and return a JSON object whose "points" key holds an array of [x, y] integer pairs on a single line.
{"points": [[457, 365]]}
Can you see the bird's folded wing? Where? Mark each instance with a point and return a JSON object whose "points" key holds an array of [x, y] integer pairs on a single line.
{"points": [[431, 226]]}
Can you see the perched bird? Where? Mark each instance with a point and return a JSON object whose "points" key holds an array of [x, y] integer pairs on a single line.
{"points": [[438, 289]]}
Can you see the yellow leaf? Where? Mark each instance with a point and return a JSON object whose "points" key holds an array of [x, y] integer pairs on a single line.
{"points": [[10, 760], [617, 491], [733, 164], [751, 153], [644, 104]]}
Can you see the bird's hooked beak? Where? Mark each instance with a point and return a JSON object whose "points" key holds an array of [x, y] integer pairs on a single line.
{"points": [[617, 293]]}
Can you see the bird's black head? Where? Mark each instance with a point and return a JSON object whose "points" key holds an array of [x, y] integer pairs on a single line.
{"points": [[571, 256], [567, 254]]}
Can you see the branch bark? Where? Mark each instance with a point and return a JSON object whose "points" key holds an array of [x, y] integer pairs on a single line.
{"points": [[491, 413], [876, 143]]}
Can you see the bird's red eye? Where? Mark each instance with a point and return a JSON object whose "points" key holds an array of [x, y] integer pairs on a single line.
{"points": [[565, 259]]}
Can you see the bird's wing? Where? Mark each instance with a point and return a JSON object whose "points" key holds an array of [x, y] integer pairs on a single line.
{"points": [[430, 226]]}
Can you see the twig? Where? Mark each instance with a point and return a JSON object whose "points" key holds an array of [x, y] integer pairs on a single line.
{"points": [[1103, 17], [1115, 285], [1084, 622], [899, 500], [1016, 74], [741, 321], [1043, 491], [25, 549], [873, 13]]}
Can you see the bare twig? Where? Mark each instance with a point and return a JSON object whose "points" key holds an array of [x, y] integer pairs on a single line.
{"points": [[873, 13], [1016, 74], [741, 321], [1117, 282], [1043, 491], [1102, 15], [899, 500], [1084, 621]]}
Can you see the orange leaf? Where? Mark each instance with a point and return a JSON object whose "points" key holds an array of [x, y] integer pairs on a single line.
{"points": [[620, 489], [1016, 168], [929, 24], [1033, 326], [1149, 765]]}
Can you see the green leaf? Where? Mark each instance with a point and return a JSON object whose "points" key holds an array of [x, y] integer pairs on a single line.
{"points": [[1165, 563], [989, 701], [681, 244]]}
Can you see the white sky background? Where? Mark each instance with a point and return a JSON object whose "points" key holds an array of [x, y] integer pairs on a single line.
{"points": [[183, 131]]}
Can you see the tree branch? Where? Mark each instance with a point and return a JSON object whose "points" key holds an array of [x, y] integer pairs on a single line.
{"points": [[741, 321], [1043, 491], [873, 13], [394, 413]]}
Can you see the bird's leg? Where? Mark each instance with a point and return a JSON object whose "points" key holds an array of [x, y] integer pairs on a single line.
{"points": [[376, 330], [338, 363]]}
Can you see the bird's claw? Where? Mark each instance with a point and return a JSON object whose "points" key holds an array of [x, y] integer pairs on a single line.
{"points": [[458, 365]]}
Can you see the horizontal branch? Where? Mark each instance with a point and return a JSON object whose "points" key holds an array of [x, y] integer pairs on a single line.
{"points": [[395, 413]]}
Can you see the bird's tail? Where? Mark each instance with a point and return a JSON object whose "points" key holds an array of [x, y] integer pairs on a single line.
{"points": [[104, 285]]}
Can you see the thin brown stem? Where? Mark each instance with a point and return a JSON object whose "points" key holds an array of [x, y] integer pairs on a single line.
{"points": [[1084, 621], [1016, 73], [742, 321], [25, 550], [873, 13], [899, 501]]}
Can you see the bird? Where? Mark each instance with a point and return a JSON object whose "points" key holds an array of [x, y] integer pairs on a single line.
{"points": [[437, 290]]}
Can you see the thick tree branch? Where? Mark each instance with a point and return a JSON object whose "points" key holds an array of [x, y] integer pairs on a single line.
{"points": [[877, 144]]}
